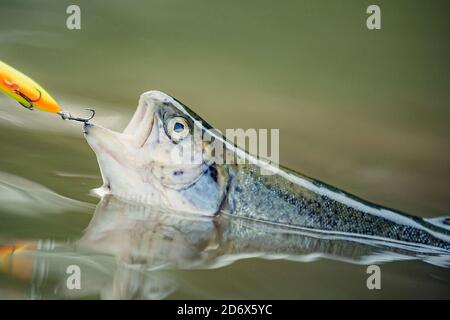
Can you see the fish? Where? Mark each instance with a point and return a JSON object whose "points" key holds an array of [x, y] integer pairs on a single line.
{"points": [[168, 156]]}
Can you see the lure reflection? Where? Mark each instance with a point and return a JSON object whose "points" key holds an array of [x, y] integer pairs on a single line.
{"points": [[131, 251]]}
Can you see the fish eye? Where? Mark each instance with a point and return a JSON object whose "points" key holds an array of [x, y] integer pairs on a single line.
{"points": [[177, 128]]}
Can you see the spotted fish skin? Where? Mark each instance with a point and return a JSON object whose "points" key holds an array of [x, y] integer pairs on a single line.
{"points": [[138, 165], [297, 202]]}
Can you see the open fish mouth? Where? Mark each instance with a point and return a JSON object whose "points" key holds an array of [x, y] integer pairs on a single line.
{"points": [[118, 152], [141, 124], [135, 134]]}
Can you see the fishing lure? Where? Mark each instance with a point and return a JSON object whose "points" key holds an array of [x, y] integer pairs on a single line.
{"points": [[30, 94], [15, 261]]}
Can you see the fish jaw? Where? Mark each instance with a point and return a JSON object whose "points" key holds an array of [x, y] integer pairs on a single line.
{"points": [[114, 157], [120, 167], [119, 155]]}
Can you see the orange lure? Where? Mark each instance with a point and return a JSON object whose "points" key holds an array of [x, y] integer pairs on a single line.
{"points": [[25, 91], [15, 261]]}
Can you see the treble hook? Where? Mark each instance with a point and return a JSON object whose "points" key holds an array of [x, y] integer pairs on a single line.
{"points": [[67, 116], [27, 99], [16, 89]]}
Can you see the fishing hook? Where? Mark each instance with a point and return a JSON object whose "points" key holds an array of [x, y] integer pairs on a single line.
{"points": [[67, 116], [16, 89]]}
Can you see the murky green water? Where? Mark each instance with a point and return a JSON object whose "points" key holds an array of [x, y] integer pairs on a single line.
{"points": [[366, 111]]}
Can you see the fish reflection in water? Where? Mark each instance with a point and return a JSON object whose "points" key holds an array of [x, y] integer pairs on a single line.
{"points": [[129, 250]]}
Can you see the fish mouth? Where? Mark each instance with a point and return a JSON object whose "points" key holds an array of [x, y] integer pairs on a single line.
{"points": [[140, 126], [118, 153], [135, 134]]}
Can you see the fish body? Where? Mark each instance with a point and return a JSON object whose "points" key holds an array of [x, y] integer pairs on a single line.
{"points": [[147, 163], [290, 199]]}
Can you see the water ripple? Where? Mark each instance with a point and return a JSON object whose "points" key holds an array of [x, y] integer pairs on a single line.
{"points": [[21, 196]]}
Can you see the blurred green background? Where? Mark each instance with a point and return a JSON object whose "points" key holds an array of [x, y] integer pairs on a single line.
{"points": [[366, 111]]}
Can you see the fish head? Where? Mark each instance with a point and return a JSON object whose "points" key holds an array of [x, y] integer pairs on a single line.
{"points": [[163, 157]]}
